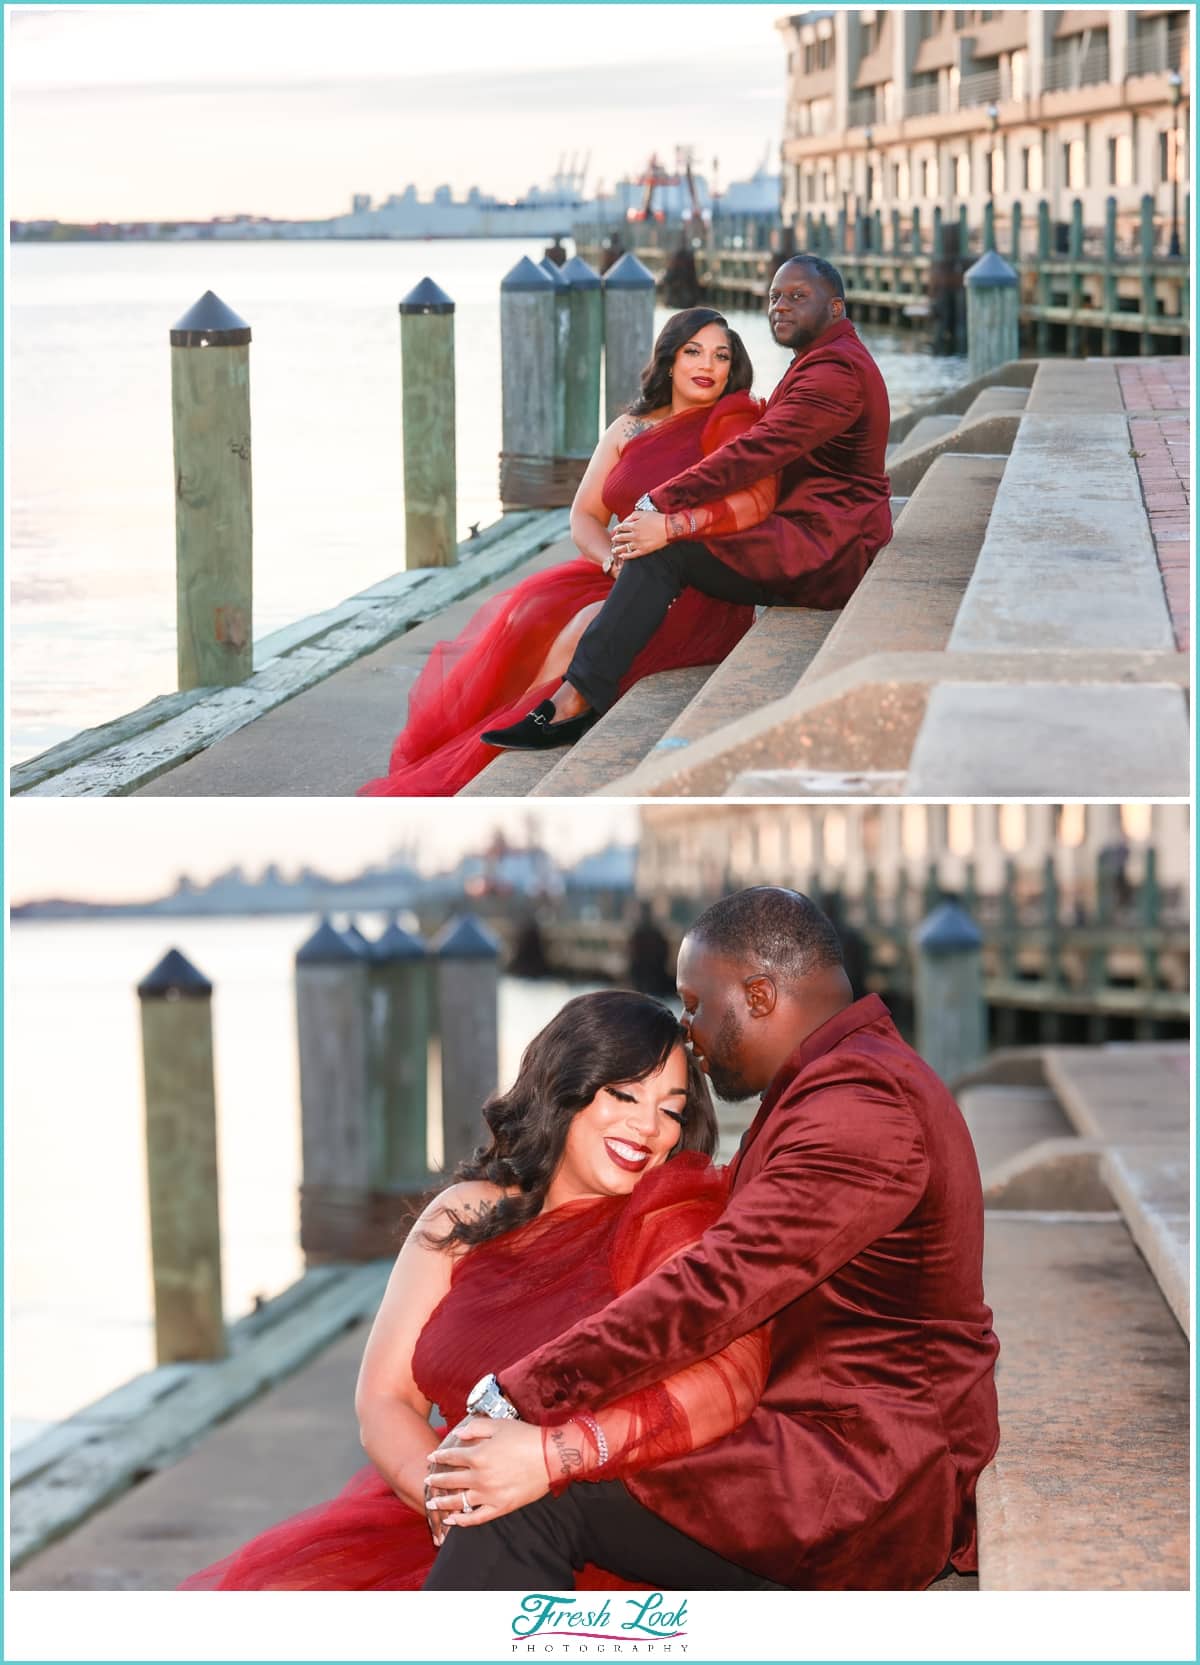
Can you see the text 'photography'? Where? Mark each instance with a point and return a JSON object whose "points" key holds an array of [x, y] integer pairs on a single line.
{"points": [[626, 1049]]}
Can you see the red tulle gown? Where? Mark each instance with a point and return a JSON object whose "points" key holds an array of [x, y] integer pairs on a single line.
{"points": [[507, 1296], [484, 679]]}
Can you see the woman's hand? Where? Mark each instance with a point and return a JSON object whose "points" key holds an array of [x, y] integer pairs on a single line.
{"points": [[639, 534], [493, 1466]]}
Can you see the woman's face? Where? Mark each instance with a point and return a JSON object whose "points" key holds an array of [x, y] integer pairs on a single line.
{"points": [[627, 1129], [701, 367]]}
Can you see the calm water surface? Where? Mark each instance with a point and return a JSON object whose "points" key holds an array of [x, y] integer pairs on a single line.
{"points": [[80, 1296], [92, 550]]}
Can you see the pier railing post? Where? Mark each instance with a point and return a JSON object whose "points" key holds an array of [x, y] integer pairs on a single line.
{"points": [[628, 332], [916, 231], [1108, 335], [1045, 282], [467, 977], [331, 1033], [529, 381], [1146, 245], [993, 302], [181, 1161], [581, 364], [210, 418], [1075, 282], [398, 1022], [951, 1014], [1016, 232], [427, 404]]}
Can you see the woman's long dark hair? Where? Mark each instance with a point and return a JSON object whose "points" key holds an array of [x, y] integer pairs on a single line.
{"points": [[656, 377], [596, 1040]]}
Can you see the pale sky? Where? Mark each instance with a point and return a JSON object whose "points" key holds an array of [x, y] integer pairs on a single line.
{"points": [[122, 849], [186, 111]]}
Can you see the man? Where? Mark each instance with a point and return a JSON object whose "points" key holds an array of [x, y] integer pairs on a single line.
{"points": [[824, 433], [855, 1225]]}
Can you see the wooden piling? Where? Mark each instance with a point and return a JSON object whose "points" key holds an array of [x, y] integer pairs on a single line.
{"points": [[466, 976], [181, 1161], [528, 333], [628, 332], [428, 411], [398, 1026], [331, 1035], [951, 1016], [562, 327], [210, 418], [581, 366], [993, 301]]}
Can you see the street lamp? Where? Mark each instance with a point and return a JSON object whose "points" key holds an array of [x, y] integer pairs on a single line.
{"points": [[993, 116], [1175, 82]]}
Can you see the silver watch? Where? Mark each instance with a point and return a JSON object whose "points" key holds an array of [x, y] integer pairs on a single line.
{"points": [[608, 563], [486, 1399], [645, 504]]}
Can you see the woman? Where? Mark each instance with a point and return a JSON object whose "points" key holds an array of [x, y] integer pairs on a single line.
{"points": [[695, 397], [597, 1171]]}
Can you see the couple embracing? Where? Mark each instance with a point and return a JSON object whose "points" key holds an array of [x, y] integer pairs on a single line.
{"points": [[721, 504], [655, 1372]]}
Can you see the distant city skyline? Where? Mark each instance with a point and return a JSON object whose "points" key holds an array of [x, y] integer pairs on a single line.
{"points": [[139, 850], [196, 111]]}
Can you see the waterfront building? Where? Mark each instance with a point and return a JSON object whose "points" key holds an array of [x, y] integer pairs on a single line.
{"points": [[904, 110]]}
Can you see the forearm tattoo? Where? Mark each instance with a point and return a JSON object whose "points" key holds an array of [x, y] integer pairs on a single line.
{"points": [[570, 1457]]}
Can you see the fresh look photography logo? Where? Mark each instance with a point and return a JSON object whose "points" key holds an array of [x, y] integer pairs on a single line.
{"points": [[638, 1625]]}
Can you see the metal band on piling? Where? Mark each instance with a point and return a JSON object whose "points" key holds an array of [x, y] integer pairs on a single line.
{"points": [[210, 419], [428, 412]]}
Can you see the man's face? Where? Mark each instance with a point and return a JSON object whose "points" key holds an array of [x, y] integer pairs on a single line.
{"points": [[716, 1020], [800, 306]]}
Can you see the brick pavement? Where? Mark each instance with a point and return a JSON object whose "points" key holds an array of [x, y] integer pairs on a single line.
{"points": [[1157, 395]]}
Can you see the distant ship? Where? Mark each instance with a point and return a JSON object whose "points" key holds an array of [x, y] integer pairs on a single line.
{"points": [[544, 211]]}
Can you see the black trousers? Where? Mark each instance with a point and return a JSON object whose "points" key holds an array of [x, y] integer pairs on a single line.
{"points": [[539, 1547], [637, 606]]}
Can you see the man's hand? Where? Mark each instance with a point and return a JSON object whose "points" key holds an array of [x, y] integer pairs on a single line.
{"points": [[493, 1467], [639, 534]]}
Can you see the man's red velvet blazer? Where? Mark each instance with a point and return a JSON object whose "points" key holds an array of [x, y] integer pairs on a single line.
{"points": [[855, 1225], [824, 432]]}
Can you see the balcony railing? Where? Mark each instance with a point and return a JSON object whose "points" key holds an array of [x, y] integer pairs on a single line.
{"points": [[987, 87], [923, 101], [1065, 71], [862, 110], [1156, 52]]}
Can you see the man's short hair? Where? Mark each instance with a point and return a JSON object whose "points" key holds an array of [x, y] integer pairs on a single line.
{"points": [[824, 269], [779, 930]]}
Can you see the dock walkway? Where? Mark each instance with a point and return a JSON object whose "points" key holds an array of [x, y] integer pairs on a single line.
{"points": [[1024, 634]]}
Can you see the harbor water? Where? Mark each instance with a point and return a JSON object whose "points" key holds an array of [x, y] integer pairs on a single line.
{"points": [[80, 1296], [91, 557]]}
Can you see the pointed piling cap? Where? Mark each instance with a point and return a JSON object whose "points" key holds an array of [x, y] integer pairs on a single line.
{"points": [[357, 941], [326, 947], [397, 944], [465, 939], [525, 278], [990, 271], [428, 299], [579, 275], [553, 272], [174, 978], [949, 929], [628, 273], [210, 323]]}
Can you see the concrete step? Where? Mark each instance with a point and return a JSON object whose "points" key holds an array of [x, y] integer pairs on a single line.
{"points": [[1018, 372], [1089, 1490], [992, 401], [985, 436], [1005, 1121], [923, 432], [906, 603], [608, 751]]}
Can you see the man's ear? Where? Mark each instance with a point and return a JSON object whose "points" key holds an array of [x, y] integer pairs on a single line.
{"points": [[761, 995]]}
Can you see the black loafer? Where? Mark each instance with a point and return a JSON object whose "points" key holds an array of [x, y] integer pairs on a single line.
{"points": [[539, 732]]}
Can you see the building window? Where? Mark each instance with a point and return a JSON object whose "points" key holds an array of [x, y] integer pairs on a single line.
{"points": [[1031, 167], [962, 175], [868, 38], [1120, 160]]}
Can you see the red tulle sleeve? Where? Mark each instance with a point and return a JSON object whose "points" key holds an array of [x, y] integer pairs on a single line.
{"points": [[741, 509], [696, 1405]]}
